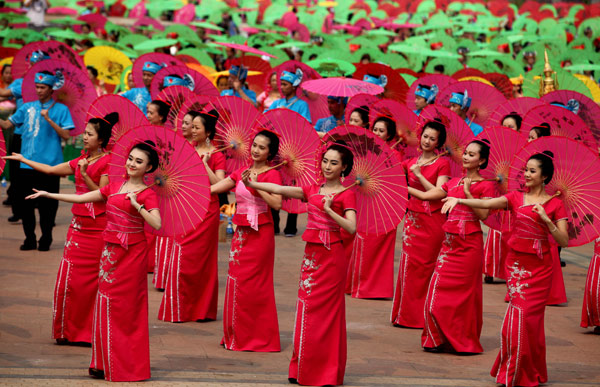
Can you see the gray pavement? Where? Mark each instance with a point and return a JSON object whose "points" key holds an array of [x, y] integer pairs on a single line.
{"points": [[190, 354]]}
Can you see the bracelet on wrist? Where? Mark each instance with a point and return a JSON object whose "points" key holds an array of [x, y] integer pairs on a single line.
{"points": [[140, 208]]}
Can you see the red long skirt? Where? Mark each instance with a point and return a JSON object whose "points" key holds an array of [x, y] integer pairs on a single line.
{"points": [[495, 252], [165, 249], [453, 308], [590, 314], [191, 281], [77, 280], [249, 314], [319, 356], [120, 344], [371, 269], [421, 243], [522, 357]]}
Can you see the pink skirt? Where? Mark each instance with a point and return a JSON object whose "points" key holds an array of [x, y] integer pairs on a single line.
{"points": [[77, 280], [590, 314], [494, 254]]}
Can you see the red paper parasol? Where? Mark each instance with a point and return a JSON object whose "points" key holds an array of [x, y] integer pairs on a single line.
{"points": [[577, 178], [519, 105], [484, 99], [440, 80], [396, 87], [130, 116], [56, 50], [245, 49], [193, 102], [255, 63], [562, 123], [234, 133], [469, 72], [95, 20], [2, 152], [62, 11], [458, 133], [148, 21], [381, 192], [202, 85], [185, 14], [174, 96], [301, 30], [341, 87], [155, 57], [505, 143], [588, 110], [406, 124], [298, 141], [77, 93], [357, 102], [501, 82], [316, 103], [180, 181]]}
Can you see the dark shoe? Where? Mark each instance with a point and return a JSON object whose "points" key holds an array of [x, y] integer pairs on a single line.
{"points": [[44, 246], [14, 219], [62, 341], [488, 279], [597, 330], [7, 202], [96, 373], [293, 380], [28, 245], [562, 263]]}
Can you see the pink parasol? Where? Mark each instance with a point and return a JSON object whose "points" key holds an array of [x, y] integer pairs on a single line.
{"points": [[148, 21], [301, 30], [180, 181], [505, 143], [193, 102], [138, 11], [297, 143], [2, 152], [587, 109], [396, 87], [185, 14], [130, 116], [95, 20], [406, 124], [77, 93], [519, 105], [357, 102], [62, 11], [174, 96], [562, 123], [201, 84], [485, 99], [440, 80], [155, 57], [458, 133], [341, 87], [577, 179], [380, 181], [56, 50], [316, 103], [245, 49], [234, 133]]}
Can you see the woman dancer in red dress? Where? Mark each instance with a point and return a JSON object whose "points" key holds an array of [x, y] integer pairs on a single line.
{"points": [[522, 357], [453, 307], [590, 314], [423, 234], [192, 282], [249, 312], [77, 279], [120, 344], [319, 356], [371, 268]]}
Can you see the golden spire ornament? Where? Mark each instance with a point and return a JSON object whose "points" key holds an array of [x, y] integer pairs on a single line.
{"points": [[548, 83]]}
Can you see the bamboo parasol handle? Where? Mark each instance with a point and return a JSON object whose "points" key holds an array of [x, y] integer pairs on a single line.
{"points": [[284, 162], [444, 153], [356, 182], [556, 194], [222, 149], [96, 157], [497, 179]]}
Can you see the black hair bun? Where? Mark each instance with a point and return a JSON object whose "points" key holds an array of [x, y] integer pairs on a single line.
{"points": [[112, 118], [548, 153]]}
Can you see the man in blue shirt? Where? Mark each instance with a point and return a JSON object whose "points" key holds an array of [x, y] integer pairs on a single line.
{"points": [[140, 96], [235, 85], [289, 84], [336, 107], [42, 124], [459, 104], [424, 95]]}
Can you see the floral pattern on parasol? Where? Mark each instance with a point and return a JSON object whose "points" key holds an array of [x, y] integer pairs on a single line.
{"points": [[577, 179], [77, 93], [381, 191], [180, 181], [587, 109], [297, 143], [56, 50]]}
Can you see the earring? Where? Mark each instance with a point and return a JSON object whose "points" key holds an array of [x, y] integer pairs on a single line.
{"points": [[207, 141], [342, 177]]}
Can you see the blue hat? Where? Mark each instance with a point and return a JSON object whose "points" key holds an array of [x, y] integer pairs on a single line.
{"points": [[572, 105], [379, 81], [293, 78], [239, 71], [461, 99], [343, 100], [174, 80], [427, 92], [37, 56], [54, 81], [152, 67]]}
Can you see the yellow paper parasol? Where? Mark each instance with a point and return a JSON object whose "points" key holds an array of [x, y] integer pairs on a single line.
{"points": [[109, 62]]}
